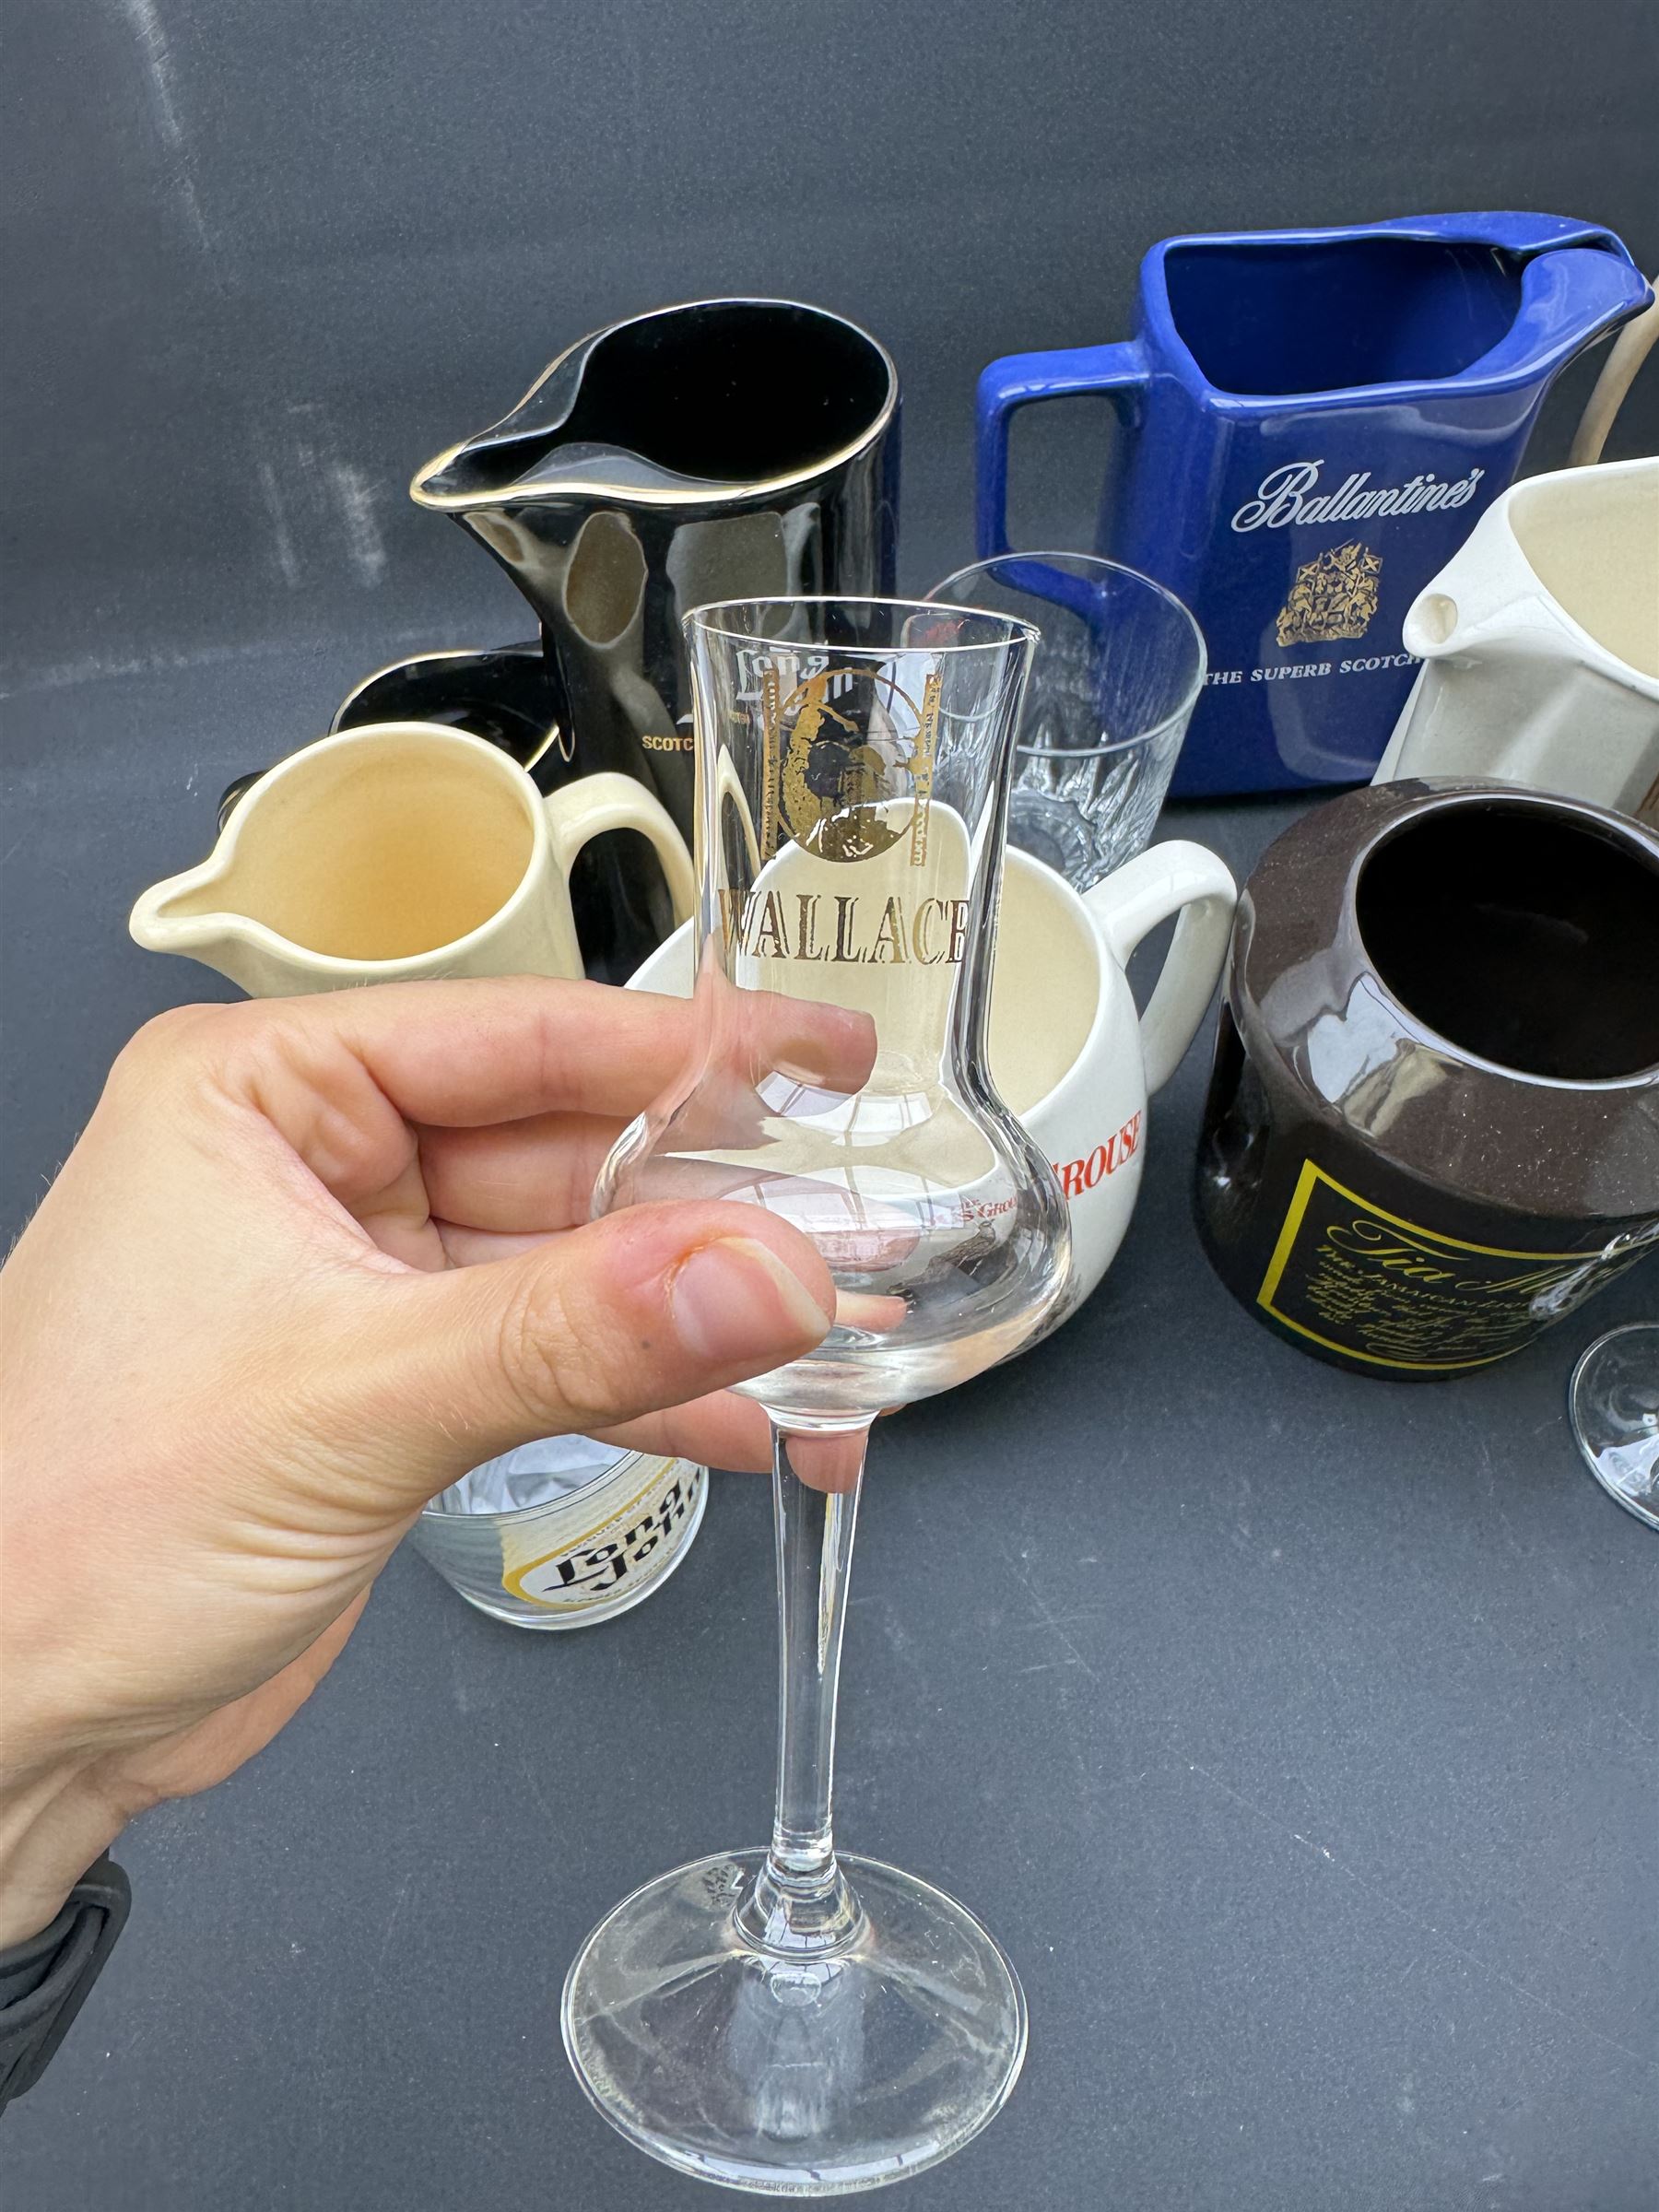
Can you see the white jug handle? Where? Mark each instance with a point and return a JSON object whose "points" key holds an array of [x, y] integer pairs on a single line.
{"points": [[589, 805], [1167, 879]]}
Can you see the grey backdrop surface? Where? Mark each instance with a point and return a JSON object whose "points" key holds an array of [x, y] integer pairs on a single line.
{"points": [[1296, 1732], [267, 258]]}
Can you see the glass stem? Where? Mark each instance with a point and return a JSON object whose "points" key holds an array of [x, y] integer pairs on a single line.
{"points": [[800, 1901]]}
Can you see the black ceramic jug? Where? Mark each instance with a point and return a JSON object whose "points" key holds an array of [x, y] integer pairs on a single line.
{"points": [[1432, 1125], [727, 449]]}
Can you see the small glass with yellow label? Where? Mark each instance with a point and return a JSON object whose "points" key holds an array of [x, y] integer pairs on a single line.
{"points": [[565, 1532]]}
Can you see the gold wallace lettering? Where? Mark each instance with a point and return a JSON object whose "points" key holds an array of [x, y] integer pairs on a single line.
{"points": [[861, 933], [921, 933], [770, 939], [844, 908], [889, 932], [807, 945], [732, 906]]}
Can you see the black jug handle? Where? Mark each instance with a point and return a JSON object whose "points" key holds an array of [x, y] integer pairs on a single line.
{"points": [[231, 797]]}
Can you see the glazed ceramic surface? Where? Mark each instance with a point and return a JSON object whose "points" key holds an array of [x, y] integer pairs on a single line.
{"points": [[397, 851], [504, 696], [1433, 1126], [617, 892], [1540, 644], [1068, 1052], [1314, 420], [728, 449]]}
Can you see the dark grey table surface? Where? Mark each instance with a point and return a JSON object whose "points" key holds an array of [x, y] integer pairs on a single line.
{"points": [[1296, 1732]]}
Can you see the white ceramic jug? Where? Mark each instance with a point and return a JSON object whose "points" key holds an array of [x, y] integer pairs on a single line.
{"points": [[1067, 1051], [1540, 644]]}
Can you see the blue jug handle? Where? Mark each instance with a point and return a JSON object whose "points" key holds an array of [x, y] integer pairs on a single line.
{"points": [[1015, 381]]}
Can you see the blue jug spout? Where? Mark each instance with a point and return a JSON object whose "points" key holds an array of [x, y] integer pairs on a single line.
{"points": [[1568, 299], [1577, 282]]}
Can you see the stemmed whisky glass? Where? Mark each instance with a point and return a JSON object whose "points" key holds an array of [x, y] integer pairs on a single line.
{"points": [[789, 2020], [1613, 1405]]}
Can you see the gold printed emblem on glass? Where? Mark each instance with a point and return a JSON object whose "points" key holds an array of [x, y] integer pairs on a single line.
{"points": [[1334, 595], [922, 768], [770, 757], [849, 733]]}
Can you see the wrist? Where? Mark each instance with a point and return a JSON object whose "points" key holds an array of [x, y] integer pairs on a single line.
{"points": [[53, 1826], [53, 1821]]}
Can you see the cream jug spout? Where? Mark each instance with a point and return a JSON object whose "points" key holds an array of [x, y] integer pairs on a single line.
{"points": [[188, 915]]}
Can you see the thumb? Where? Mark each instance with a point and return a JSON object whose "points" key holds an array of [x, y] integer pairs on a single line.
{"points": [[646, 1308]]}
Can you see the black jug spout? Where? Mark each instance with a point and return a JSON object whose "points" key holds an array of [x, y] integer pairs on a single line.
{"points": [[723, 399], [724, 449]]}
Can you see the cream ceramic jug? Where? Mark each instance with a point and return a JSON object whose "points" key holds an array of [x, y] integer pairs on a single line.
{"points": [[1540, 644], [399, 850]]}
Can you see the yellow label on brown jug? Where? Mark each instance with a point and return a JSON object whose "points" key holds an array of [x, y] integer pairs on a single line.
{"points": [[1362, 1282]]}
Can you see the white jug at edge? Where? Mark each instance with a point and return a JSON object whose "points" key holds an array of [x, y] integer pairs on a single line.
{"points": [[1540, 643]]}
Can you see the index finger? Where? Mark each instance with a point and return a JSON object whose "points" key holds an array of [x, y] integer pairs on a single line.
{"points": [[465, 1054]]}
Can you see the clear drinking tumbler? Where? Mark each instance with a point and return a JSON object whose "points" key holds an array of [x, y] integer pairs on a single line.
{"points": [[1114, 685]]}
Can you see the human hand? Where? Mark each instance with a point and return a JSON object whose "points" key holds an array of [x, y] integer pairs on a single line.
{"points": [[309, 1262]]}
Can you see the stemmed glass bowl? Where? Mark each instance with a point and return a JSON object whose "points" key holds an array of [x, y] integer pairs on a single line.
{"points": [[786, 2020]]}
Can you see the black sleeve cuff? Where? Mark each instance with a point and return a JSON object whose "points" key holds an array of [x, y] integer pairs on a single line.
{"points": [[44, 1979]]}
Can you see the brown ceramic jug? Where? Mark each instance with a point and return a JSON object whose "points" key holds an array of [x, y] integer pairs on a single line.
{"points": [[1432, 1125]]}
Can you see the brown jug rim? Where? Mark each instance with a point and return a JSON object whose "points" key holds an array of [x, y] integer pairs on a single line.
{"points": [[1391, 809]]}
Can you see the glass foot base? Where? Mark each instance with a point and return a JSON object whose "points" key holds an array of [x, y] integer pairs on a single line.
{"points": [[1613, 1402], [812, 2076]]}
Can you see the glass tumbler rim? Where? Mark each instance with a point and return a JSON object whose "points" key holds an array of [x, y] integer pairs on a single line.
{"points": [[624, 1452], [1013, 629], [1189, 697]]}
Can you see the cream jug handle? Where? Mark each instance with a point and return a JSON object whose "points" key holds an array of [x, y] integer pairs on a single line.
{"points": [[1176, 879], [589, 805]]}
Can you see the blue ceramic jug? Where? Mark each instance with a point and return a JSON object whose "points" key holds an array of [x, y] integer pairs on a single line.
{"points": [[1317, 420]]}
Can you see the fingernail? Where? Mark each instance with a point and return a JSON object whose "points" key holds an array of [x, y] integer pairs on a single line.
{"points": [[736, 1300]]}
